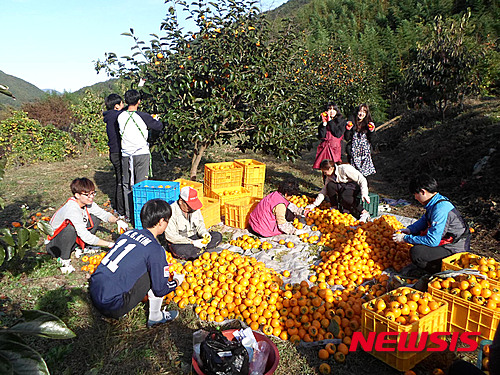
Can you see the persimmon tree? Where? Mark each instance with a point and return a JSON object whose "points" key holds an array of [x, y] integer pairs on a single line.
{"points": [[230, 80], [444, 70]]}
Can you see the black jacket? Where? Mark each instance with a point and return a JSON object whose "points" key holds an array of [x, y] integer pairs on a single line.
{"points": [[335, 126], [110, 118]]}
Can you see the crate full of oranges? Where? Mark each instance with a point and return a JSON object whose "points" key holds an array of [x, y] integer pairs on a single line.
{"points": [[485, 265], [403, 310], [473, 303]]}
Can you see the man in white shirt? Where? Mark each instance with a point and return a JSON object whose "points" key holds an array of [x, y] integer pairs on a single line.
{"points": [[136, 158], [186, 231]]}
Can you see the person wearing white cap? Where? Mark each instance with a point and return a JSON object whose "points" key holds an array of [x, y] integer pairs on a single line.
{"points": [[186, 232]]}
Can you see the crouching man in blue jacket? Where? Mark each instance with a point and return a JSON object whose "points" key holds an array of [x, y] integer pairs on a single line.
{"points": [[439, 233], [137, 266]]}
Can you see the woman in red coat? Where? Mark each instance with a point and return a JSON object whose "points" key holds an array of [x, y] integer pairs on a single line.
{"points": [[330, 131]]}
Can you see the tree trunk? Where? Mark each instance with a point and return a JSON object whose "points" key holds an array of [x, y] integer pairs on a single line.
{"points": [[199, 149]]}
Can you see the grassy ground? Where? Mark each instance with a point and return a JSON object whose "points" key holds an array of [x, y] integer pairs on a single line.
{"points": [[126, 346]]}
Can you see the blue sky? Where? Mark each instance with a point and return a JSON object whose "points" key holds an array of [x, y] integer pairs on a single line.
{"points": [[53, 43]]}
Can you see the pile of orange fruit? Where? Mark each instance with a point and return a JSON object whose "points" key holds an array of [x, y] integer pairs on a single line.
{"points": [[93, 261], [404, 305], [485, 362], [470, 288], [359, 253], [485, 265], [247, 242]]}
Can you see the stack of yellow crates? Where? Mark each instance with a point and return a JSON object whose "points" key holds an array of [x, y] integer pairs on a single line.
{"points": [[254, 174], [223, 181]]}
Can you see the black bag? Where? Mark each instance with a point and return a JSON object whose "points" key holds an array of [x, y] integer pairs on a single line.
{"points": [[219, 356]]}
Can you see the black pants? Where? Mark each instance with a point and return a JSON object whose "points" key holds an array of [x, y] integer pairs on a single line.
{"points": [[64, 243], [118, 201], [190, 252], [345, 196], [429, 258], [130, 299]]}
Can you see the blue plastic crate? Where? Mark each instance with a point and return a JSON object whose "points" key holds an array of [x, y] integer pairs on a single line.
{"points": [[149, 189]]}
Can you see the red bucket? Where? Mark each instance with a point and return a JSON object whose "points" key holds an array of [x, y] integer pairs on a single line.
{"points": [[272, 360]]}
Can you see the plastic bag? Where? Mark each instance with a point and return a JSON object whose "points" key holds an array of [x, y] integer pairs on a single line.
{"points": [[219, 356], [258, 364]]}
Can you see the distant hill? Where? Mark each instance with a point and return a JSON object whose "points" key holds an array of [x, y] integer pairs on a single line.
{"points": [[22, 90], [102, 88], [52, 92]]}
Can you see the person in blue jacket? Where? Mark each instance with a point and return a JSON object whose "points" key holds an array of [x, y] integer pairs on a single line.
{"points": [[114, 107], [137, 266], [439, 233]]}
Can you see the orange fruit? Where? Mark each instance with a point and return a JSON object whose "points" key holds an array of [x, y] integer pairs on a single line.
{"points": [[323, 354]]}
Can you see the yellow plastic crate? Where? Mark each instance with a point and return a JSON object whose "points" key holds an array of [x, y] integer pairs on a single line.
{"points": [[256, 190], [227, 195], [210, 211], [371, 321], [467, 316], [198, 186], [453, 263], [254, 171], [238, 211], [223, 175]]}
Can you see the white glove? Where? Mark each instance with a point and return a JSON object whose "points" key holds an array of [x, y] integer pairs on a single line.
{"points": [[398, 237], [310, 207], [366, 198], [199, 244], [179, 277], [122, 226], [300, 231]]}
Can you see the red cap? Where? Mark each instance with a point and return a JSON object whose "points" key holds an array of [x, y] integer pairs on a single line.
{"points": [[190, 196]]}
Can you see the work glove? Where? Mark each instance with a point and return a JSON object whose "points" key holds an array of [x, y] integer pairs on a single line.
{"points": [[398, 237], [122, 226], [310, 207], [199, 243], [179, 277], [349, 125], [371, 126], [366, 198], [298, 232], [324, 117]]}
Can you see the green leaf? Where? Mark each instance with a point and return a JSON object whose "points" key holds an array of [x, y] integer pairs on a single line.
{"points": [[2, 254], [334, 327], [23, 359], [42, 324], [34, 237], [7, 237], [22, 237], [45, 228]]}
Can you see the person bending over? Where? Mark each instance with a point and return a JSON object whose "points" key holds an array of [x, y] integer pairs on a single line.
{"points": [[76, 222], [274, 214], [137, 266], [186, 232], [343, 185], [439, 233]]}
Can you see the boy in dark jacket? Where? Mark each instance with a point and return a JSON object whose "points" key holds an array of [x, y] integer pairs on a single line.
{"points": [[114, 106], [439, 233]]}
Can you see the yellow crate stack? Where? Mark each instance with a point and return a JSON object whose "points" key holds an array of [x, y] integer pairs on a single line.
{"points": [[210, 211], [238, 211], [254, 175], [222, 175], [198, 186], [227, 195]]}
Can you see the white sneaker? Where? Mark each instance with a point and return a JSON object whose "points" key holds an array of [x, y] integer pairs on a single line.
{"points": [[78, 253], [365, 216], [67, 269]]}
